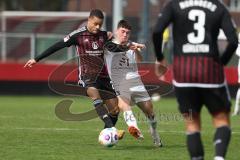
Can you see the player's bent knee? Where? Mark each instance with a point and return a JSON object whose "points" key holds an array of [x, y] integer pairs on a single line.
{"points": [[192, 128], [221, 119], [115, 110], [192, 123], [124, 106], [221, 122]]}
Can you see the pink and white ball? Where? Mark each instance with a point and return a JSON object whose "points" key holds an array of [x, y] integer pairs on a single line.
{"points": [[108, 137]]}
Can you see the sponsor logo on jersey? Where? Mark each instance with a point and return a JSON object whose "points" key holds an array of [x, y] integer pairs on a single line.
{"points": [[94, 45], [95, 53]]}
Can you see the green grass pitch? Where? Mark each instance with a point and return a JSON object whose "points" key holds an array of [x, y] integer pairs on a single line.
{"points": [[30, 130]]}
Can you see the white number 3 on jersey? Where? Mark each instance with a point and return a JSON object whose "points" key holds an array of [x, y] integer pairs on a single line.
{"points": [[199, 17]]}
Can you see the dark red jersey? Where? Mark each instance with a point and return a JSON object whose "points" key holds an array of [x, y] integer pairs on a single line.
{"points": [[195, 27], [89, 48], [197, 69]]}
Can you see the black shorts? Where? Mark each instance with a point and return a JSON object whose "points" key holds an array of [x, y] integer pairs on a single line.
{"points": [[191, 99], [103, 84]]}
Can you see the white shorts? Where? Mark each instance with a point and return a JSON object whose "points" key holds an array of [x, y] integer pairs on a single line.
{"points": [[132, 89]]}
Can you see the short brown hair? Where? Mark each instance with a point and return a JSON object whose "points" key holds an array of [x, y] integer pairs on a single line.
{"points": [[124, 24]]}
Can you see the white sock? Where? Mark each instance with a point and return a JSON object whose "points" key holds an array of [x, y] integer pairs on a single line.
{"points": [[236, 109], [218, 158], [130, 119]]}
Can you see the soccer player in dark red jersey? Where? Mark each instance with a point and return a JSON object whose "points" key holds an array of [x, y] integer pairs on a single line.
{"points": [[198, 75], [89, 41]]}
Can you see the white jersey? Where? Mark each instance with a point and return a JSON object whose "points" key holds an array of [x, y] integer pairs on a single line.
{"points": [[123, 71], [121, 65]]}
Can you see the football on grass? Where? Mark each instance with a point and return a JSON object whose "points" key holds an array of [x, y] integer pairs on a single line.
{"points": [[108, 137]]}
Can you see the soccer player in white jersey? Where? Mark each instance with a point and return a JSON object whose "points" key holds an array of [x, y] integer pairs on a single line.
{"points": [[236, 108], [122, 68]]}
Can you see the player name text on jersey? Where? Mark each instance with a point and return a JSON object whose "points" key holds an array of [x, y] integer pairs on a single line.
{"points": [[198, 48], [200, 3]]}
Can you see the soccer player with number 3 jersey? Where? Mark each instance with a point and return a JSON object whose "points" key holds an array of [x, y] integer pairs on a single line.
{"points": [[198, 75]]}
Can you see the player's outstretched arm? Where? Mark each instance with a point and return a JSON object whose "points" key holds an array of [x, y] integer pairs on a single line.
{"points": [[30, 63], [55, 47]]}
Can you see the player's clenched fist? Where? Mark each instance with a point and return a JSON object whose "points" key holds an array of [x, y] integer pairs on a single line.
{"points": [[136, 46]]}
